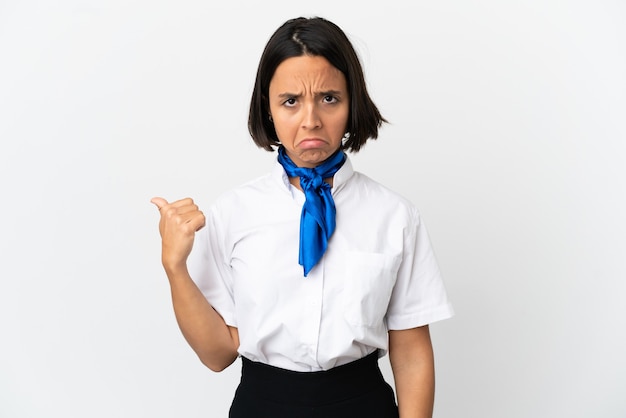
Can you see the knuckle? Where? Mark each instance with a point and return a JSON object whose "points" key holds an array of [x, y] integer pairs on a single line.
{"points": [[170, 212]]}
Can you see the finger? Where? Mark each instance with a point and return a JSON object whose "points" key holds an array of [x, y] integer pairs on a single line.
{"points": [[182, 202], [159, 202], [197, 222], [182, 210], [186, 224], [195, 217]]}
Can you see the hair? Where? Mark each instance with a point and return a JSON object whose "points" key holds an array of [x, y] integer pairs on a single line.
{"points": [[315, 37]]}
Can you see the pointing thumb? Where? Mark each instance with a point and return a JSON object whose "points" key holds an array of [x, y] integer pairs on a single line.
{"points": [[159, 202]]}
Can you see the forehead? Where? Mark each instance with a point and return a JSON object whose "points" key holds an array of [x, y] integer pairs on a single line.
{"points": [[312, 71]]}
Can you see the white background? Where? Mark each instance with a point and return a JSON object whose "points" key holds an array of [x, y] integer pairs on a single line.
{"points": [[508, 132]]}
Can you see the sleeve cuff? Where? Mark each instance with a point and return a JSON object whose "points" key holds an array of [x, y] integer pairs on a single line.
{"points": [[418, 319]]}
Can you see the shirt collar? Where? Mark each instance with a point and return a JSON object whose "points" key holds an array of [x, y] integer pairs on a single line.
{"points": [[339, 179]]}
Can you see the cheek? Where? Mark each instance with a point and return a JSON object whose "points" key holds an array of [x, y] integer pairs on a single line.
{"points": [[283, 127], [340, 122], [282, 121]]}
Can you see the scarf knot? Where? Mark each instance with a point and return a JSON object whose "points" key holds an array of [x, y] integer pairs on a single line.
{"points": [[315, 182], [317, 221]]}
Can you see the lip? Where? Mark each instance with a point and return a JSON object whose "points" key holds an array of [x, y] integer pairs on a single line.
{"points": [[308, 143]]}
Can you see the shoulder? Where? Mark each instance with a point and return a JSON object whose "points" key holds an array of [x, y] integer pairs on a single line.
{"points": [[246, 191], [374, 196], [256, 198], [366, 183]]}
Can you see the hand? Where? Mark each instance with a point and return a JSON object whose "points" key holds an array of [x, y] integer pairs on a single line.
{"points": [[178, 225]]}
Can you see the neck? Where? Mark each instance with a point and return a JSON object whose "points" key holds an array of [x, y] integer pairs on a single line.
{"points": [[315, 176]]}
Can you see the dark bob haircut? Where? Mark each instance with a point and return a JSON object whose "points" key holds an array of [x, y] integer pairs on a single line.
{"points": [[316, 37]]}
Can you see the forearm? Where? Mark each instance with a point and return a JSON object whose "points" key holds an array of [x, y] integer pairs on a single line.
{"points": [[214, 342], [412, 363]]}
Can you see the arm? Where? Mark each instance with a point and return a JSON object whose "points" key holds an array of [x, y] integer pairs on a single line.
{"points": [[214, 342], [412, 363]]}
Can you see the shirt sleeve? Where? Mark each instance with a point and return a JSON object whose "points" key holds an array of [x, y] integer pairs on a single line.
{"points": [[419, 296], [209, 267]]}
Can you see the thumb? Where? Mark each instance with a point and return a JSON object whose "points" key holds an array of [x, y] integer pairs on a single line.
{"points": [[159, 202]]}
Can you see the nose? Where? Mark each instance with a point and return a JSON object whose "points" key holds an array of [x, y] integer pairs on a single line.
{"points": [[311, 118]]}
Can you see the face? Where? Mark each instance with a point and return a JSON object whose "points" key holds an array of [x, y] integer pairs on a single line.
{"points": [[309, 105]]}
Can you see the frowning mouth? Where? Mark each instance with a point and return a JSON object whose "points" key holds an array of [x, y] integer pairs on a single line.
{"points": [[308, 143]]}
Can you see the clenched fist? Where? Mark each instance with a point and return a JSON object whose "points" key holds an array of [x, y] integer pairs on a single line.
{"points": [[178, 225]]}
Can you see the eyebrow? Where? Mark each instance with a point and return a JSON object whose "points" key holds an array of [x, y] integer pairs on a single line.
{"points": [[321, 93]]}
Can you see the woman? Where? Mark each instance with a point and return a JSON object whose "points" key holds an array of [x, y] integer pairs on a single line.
{"points": [[314, 271]]}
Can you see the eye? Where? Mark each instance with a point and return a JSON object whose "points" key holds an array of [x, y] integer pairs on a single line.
{"points": [[329, 99], [290, 102]]}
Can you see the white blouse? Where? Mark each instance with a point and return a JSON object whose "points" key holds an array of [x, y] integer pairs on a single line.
{"points": [[379, 272]]}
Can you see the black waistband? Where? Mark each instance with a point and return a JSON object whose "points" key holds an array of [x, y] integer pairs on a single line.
{"points": [[341, 382]]}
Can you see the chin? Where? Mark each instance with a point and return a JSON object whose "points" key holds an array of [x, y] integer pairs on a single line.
{"points": [[314, 157]]}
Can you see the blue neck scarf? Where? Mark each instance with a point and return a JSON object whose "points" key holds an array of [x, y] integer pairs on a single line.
{"points": [[317, 222]]}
